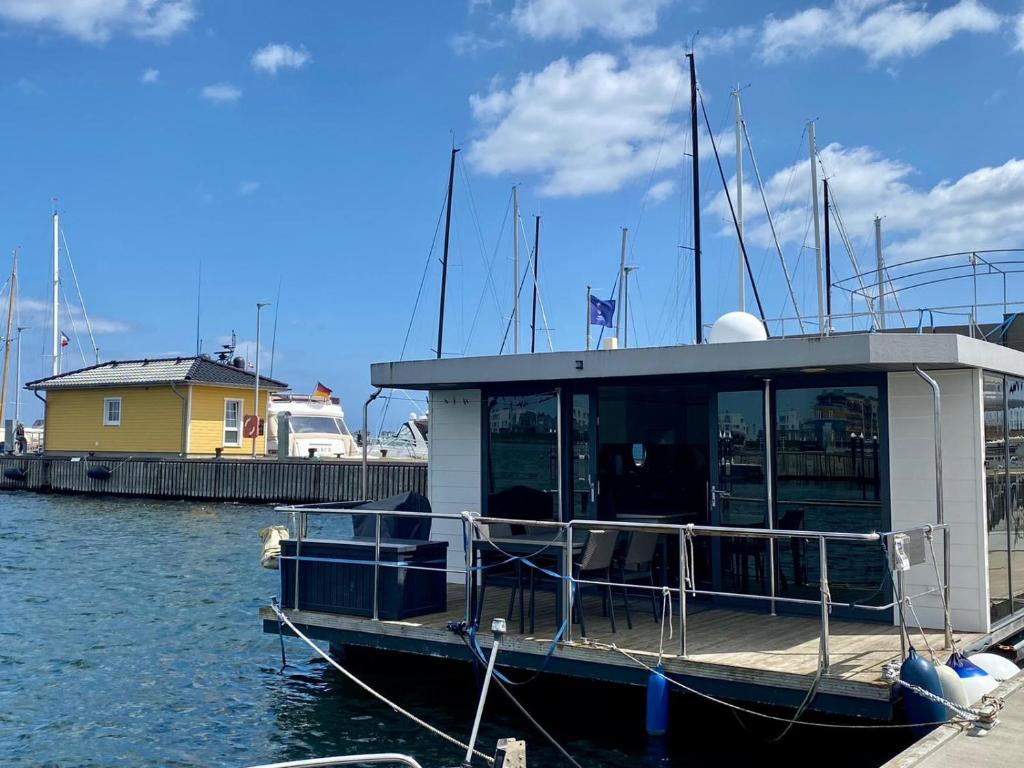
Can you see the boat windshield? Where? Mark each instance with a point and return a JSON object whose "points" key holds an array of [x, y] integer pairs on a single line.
{"points": [[321, 425]]}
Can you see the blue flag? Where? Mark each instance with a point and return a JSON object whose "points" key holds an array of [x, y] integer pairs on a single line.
{"points": [[602, 312]]}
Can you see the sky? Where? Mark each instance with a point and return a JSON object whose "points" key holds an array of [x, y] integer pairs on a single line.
{"points": [[298, 153]]}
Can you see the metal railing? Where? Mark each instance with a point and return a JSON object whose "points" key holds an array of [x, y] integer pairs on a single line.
{"points": [[474, 532]]}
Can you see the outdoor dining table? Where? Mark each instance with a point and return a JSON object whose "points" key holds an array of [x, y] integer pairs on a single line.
{"points": [[544, 548]]}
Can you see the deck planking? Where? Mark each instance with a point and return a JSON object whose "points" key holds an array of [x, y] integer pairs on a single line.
{"points": [[727, 646]]}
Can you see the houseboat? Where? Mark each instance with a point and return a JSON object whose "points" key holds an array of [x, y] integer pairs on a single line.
{"points": [[800, 510]]}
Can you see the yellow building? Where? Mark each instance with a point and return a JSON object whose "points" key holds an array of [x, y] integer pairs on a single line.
{"points": [[183, 406]]}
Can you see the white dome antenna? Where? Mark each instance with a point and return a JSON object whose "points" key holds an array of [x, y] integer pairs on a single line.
{"points": [[737, 326]]}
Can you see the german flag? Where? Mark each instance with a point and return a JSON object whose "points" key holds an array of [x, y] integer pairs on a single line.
{"points": [[320, 392]]}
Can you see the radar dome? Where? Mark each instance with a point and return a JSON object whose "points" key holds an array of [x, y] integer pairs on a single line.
{"points": [[737, 326]]}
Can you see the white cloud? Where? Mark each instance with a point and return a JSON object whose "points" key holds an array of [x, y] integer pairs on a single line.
{"points": [[982, 209], [660, 191], [221, 93], [270, 58], [724, 41], [96, 21], [150, 76], [589, 126], [1019, 30], [28, 87], [568, 19], [470, 43], [882, 30], [249, 187], [35, 313]]}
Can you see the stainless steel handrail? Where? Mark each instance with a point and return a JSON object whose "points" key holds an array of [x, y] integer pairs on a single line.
{"points": [[471, 522]]}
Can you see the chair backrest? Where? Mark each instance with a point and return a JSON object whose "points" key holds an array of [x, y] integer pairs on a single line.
{"points": [[599, 550], [640, 551], [496, 530]]}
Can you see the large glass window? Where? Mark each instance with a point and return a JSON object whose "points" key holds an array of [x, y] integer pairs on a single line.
{"points": [[1015, 469], [996, 497], [522, 456], [827, 466]]}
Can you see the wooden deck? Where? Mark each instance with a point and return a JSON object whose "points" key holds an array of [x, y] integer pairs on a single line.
{"points": [[741, 655]]}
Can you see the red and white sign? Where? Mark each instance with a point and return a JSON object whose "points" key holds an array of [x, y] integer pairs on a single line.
{"points": [[251, 426]]}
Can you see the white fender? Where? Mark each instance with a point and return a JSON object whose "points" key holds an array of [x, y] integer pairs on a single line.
{"points": [[997, 666], [952, 686]]}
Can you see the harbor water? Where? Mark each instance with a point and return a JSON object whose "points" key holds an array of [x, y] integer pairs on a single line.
{"points": [[129, 637]]}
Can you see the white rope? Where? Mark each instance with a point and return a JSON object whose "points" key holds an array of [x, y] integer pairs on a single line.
{"points": [[666, 608], [755, 713], [967, 713], [380, 697]]}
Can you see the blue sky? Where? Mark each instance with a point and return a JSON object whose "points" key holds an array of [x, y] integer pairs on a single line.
{"points": [[308, 143]]}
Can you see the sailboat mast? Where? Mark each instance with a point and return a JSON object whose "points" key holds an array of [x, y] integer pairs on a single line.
{"points": [[515, 270], [813, 148], [444, 261], [55, 302], [622, 282], [536, 277], [694, 145], [7, 337], [739, 197]]}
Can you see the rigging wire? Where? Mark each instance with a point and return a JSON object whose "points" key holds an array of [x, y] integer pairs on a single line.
{"points": [[536, 286], [771, 224], [419, 295], [81, 301], [475, 219], [490, 271], [74, 326], [728, 197]]}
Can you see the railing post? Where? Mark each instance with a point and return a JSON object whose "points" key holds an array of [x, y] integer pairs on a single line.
{"points": [[376, 563], [902, 615], [946, 571], [469, 538], [770, 511], [682, 592], [300, 526], [825, 600], [567, 590]]}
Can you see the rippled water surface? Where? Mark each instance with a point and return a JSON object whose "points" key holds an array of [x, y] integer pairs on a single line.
{"points": [[129, 636]]}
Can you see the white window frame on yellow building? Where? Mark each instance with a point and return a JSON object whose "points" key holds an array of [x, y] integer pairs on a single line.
{"points": [[107, 421], [238, 428]]}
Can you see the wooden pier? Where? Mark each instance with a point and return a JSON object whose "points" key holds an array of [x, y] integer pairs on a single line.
{"points": [[253, 480], [739, 655]]}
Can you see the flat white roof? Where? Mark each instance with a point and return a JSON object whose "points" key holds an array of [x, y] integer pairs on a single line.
{"points": [[849, 352]]}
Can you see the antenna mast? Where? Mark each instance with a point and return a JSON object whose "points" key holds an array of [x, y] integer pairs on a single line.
{"points": [[739, 196], [536, 277], [698, 321], [813, 147], [444, 262]]}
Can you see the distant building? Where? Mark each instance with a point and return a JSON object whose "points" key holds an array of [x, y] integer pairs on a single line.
{"points": [[181, 406]]}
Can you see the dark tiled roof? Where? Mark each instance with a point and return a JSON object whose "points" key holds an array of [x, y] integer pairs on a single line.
{"points": [[173, 370]]}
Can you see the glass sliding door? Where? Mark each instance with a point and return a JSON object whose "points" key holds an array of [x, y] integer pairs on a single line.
{"points": [[996, 496], [522, 456], [583, 497], [828, 477], [740, 493]]}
